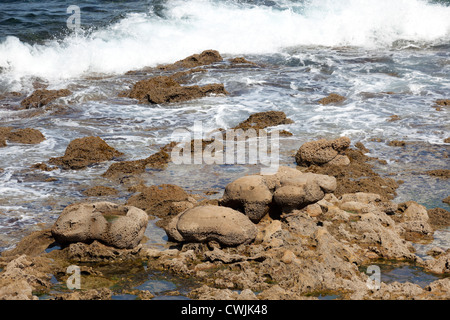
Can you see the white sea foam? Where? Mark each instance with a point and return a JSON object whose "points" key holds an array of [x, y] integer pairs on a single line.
{"points": [[143, 39]]}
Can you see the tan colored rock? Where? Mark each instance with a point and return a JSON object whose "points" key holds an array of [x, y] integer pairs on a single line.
{"points": [[114, 225], [42, 97], [83, 152], [414, 222], [322, 151], [248, 194], [214, 223], [439, 265]]}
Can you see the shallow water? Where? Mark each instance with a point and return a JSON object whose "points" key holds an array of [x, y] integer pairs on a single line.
{"points": [[386, 57]]}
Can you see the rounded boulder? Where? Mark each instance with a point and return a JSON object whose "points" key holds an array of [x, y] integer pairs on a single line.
{"points": [[213, 223], [114, 225]]}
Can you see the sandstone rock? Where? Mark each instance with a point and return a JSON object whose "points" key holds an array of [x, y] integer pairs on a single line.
{"points": [[114, 225], [262, 120], [293, 197], [414, 222], [158, 160], [333, 98], [164, 89], [32, 245], [361, 197], [322, 151], [162, 201], [248, 194], [358, 176], [27, 136], [196, 60], [42, 97], [83, 152], [213, 223], [100, 191], [439, 218], [288, 189], [441, 173], [16, 290], [439, 265], [22, 276]]}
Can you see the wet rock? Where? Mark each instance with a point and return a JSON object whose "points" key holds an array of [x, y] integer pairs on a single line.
{"points": [[224, 225], [262, 120], [95, 252], [32, 245], [114, 225], [442, 102], [91, 294], [100, 191], [164, 89], [196, 60], [446, 200], [447, 140], [26, 136], [322, 151], [440, 173], [439, 265], [439, 218], [396, 143], [241, 60], [358, 176], [83, 152], [158, 160], [163, 201], [43, 167], [42, 97], [332, 99], [207, 293]]}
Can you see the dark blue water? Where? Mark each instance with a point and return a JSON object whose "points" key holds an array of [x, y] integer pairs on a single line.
{"points": [[34, 21]]}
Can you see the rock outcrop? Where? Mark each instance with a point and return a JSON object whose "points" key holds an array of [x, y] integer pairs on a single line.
{"points": [[114, 225], [288, 189], [322, 152], [83, 152], [42, 97], [25, 136]]}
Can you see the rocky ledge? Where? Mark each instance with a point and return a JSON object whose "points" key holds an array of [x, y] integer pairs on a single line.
{"points": [[281, 236]]}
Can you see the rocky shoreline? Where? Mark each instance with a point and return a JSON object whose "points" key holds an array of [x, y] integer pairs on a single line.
{"points": [[297, 234], [281, 236]]}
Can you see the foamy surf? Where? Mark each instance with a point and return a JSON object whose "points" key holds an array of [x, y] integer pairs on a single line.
{"points": [[146, 39]]}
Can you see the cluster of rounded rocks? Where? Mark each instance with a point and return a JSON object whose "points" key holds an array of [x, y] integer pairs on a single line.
{"points": [[231, 223], [245, 202]]}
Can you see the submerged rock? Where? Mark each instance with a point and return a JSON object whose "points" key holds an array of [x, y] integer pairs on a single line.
{"points": [[208, 223], [83, 152], [114, 225]]}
